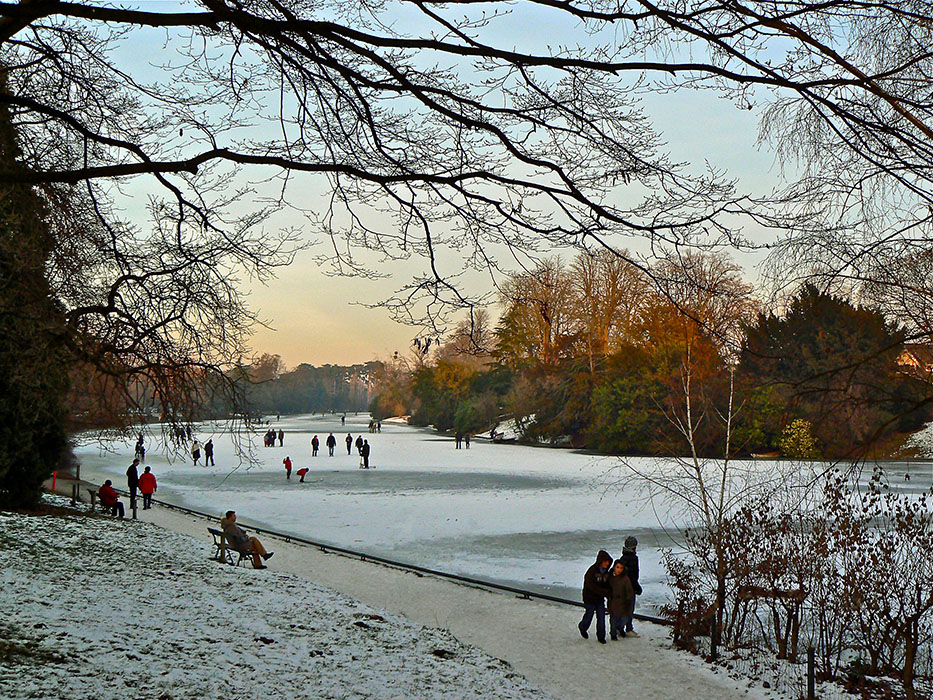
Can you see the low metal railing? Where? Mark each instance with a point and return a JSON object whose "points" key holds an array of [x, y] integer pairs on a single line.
{"points": [[326, 547]]}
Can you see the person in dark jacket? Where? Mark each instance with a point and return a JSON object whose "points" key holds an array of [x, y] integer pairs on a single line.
{"points": [[209, 452], [108, 499], [364, 453], [331, 443], [315, 444], [359, 444], [621, 601], [132, 479], [630, 559], [595, 591], [349, 443], [281, 437]]}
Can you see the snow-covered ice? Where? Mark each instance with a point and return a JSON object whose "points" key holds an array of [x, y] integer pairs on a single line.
{"points": [[529, 517], [524, 516]]}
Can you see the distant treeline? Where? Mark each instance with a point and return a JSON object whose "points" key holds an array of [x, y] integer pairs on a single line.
{"points": [[310, 389], [597, 356]]}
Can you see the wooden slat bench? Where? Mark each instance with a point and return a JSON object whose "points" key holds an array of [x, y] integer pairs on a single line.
{"points": [[223, 553]]}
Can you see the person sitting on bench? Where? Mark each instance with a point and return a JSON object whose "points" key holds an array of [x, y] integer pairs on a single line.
{"points": [[108, 499], [238, 540]]}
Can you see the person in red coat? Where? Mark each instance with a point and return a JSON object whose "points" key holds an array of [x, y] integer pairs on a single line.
{"points": [[147, 487], [109, 499]]}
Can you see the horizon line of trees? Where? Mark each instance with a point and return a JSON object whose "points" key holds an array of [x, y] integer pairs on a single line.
{"points": [[600, 355], [308, 389]]}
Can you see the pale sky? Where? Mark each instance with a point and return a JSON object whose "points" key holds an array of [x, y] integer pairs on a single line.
{"points": [[318, 319]]}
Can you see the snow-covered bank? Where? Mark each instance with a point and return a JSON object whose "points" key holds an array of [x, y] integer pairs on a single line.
{"points": [[98, 608], [180, 615]]}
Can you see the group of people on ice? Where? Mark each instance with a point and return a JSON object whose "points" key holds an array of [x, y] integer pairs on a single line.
{"points": [[362, 447], [268, 439], [208, 452], [615, 583]]}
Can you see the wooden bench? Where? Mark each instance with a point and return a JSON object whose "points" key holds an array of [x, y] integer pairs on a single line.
{"points": [[223, 553]]}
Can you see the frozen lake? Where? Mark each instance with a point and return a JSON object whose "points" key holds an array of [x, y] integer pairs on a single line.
{"points": [[524, 516]]}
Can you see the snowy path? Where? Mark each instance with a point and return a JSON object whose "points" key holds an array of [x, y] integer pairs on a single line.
{"points": [[122, 610], [538, 639]]}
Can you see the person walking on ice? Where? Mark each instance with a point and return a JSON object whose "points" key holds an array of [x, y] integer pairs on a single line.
{"points": [[349, 443], [364, 453], [209, 452], [315, 443], [595, 591], [331, 443], [195, 451]]}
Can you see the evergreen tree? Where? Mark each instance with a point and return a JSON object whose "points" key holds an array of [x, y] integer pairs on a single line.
{"points": [[833, 364], [33, 371]]}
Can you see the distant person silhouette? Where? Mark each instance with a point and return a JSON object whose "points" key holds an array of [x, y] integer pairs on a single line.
{"points": [[281, 437], [315, 443], [349, 443], [209, 452]]}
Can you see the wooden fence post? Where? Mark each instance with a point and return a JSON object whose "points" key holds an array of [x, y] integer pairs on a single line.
{"points": [[713, 641], [811, 674]]}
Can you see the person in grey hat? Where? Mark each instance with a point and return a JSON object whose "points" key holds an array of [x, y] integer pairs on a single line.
{"points": [[630, 560]]}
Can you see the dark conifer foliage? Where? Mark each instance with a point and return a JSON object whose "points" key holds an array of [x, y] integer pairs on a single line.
{"points": [[834, 364], [33, 371]]}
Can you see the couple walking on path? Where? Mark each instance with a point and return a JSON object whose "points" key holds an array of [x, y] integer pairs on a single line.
{"points": [[616, 583], [145, 482]]}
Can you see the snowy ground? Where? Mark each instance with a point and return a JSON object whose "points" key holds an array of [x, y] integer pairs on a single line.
{"points": [[99, 608]]}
